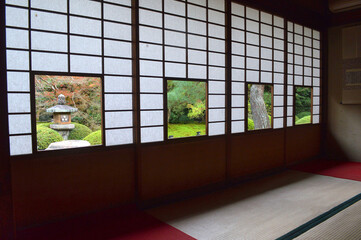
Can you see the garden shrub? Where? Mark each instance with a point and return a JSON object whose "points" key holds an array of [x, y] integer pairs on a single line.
{"points": [[250, 124], [304, 120], [303, 114], [79, 132], [43, 124], [296, 118], [46, 136], [94, 138]]}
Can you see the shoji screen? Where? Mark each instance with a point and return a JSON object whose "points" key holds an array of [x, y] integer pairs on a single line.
{"points": [[69, 36], [304, 68], [257, 57], [180, 40]]}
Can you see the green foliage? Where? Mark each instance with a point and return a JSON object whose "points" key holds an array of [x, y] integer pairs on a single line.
{"points": [[94, 138], [296, 118], [250, 124], [303, 114], [186, 97], [45, 136], [79, 132], [43, 124], [186, 130], [303, 101], [304, 120]]}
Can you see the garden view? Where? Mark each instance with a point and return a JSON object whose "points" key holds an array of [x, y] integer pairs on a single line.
{"points": [[259, 106], [79, 109], [303, 105], [186, 102]]}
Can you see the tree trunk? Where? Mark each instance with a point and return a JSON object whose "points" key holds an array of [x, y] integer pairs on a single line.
{"points": [[169, 111], [258, 107]]}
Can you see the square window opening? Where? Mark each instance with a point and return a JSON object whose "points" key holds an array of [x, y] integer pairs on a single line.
{"points": [[260, 106], [303, 105], [186, 108], [68, 111]]}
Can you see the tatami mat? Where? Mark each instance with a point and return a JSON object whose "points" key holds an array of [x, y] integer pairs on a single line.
{"points": [[263, 209], [345, 225]]}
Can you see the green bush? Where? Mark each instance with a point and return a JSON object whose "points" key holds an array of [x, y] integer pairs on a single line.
{"points": [[45, 136], [43, 124], [95, 138], [296, 118], [79, 132], [250, 124], [304, 120], [303, 114]]}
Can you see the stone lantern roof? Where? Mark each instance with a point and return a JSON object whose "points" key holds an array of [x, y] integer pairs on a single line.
{"points": [[61, 107]]}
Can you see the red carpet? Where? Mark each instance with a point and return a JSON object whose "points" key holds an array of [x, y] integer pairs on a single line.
{"points": [[115, 224], [339, 169]]}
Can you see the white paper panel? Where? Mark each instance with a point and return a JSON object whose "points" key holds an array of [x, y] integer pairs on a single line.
{"points": [[253, 64], [266, 77], [197, 71], [316, 82], [118, 136], [238, 100], [237, 22], [252, 13], [252, 38], [290, 90], [316, 110], [289, 111], [49, 21], [316, 101], [252, 51], [298, 49], [237, 75], [174, 22], [216, 31], [20, 145], [18, 102], [290, 47], [290, 26], [197, 12], [238, 114], [85, 26], [289, 100], [122, 31], [265, 65], [117, 49], [238, 35], [307, 32], [238, 48], [278, 67], [266, 30], [316, 34], [316, 91], [290, 58], [17, 38], [174, 38], [278, 44], [316, 72], [266, 53], [151, 101], [150, 51], [17, 60], [216, 45], [315, 119], [175, 70], [173, 6], [290, 37], [199, 57], [196, 27], [278, 101], [151, 68], [85, 64], [278, 123], [16, 17], [252, 76], [117, 13], [216, 129], [197, 42], [118, 101], [238, 127], [215, 115], [154, 4], [152, 134], [307, 71], [278, 78], [117, 84], [217, 59], [278, 55], [18, 81], [298, 29], [307, 52], [49, 62], [85, 45], [124, 2], [307, 42], [316, 63], [85, 8], [252, 26], [216, 101], [151, 118], [216, 73], [289, 121], [298, 39], [278, 89], [154, 85], [23, 3], [299, 70], [278, 112], [54, 5], [49, 41], [216, 87], [266, 18], [216, 4], [118, 119], [238, 62], [237, 88], [19, 124], [278, 21], [117, 66], [237, 9], [175, 54], [307, 81]]}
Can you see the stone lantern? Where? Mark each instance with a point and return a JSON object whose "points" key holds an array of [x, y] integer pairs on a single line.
{"points": [[62, 117]]}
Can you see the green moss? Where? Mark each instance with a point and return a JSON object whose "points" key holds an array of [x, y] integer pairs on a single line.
{"points": [[304, 120], [296, 118], [250, 124], [303, 114], [79, 132], [186, 130], [94, 138], [46, 136], [43, 124]]}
